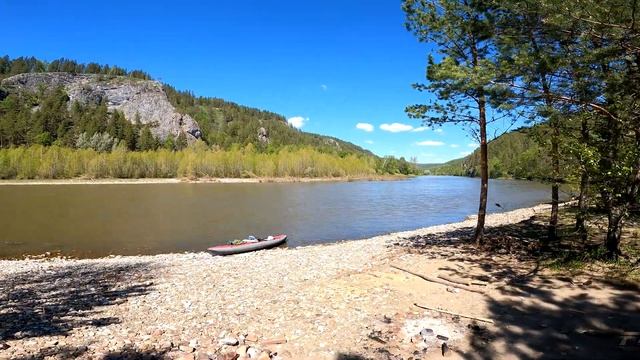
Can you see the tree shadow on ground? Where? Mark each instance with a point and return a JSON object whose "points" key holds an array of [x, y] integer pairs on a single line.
{"points": [[69, 352], [538, 315], [343, 356], [59, 299]]}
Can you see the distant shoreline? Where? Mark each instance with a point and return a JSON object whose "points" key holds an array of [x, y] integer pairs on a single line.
{"points": [[111, 181]]}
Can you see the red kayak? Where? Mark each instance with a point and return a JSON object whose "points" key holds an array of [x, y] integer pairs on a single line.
{"points": [[276, 240]]}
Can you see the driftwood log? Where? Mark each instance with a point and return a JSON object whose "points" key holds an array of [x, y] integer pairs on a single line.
{"points": [[455, 314], [439, 281]]}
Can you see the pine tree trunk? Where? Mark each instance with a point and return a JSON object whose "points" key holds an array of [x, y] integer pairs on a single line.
{"points": [[584, 187], [555, 153], [555, 163], [484, 172], [582, 204], [614, 231]]}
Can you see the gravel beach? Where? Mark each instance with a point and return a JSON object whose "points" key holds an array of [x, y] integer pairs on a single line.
{"points": [[316, 302]]}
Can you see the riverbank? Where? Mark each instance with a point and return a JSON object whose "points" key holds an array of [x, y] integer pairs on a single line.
{"points": [[258, 180], [337, 301]]}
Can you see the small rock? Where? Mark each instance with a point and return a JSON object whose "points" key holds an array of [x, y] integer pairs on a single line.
{"points": [[229, 341], [264, 356], [253, 352], [202, 356], [426, 332], [187, 349], [4, 346], [251, 338], [442, 337], [229, 356], [453, 290], [193, 343], [283, 355], [242, 350], [184, 356]]}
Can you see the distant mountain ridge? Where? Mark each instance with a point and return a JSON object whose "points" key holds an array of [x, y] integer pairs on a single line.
{"points": [[515, 154], [167, 112]]}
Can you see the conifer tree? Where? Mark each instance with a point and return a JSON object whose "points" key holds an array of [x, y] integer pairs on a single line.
{"points": [[462, 80]]}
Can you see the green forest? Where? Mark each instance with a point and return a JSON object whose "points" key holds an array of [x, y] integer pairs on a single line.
{"points": [[198, 161], [519, 154], [570, 69], [29, 121]]}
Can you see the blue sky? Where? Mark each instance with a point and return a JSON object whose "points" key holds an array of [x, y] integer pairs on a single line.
{"points": [[328, 65]]}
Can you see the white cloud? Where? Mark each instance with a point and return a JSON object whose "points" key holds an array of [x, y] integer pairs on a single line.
{"points": [[438, 130], [369, 142], [430, 143], [364, 127], [454, 145], [465, 153], [324, 87], [420, 129], [473, 145], [297, 121], [429, 158], [396, 127]]}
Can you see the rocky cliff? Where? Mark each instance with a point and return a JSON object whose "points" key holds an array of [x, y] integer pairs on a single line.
{"points": [[142, 99]]}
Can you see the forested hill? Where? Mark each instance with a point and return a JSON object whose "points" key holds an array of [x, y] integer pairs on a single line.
{"points": [[226, 123], [516, 154], [221, 123]]}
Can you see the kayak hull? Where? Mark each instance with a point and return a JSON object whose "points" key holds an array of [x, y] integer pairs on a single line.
{"points": [[248, 247]]}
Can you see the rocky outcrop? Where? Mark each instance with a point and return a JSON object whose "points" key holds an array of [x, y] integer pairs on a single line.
{"points": [[263, 135], [141, 99]]}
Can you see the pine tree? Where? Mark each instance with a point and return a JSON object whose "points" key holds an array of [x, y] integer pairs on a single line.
{"points": [[462, 81], [146, 141], [181, 141], [169, 143]]}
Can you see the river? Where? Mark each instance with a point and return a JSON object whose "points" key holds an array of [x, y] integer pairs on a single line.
{"points": [[128, 219]]}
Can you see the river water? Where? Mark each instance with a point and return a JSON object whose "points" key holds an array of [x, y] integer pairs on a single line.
{"points": [[98, 220]]}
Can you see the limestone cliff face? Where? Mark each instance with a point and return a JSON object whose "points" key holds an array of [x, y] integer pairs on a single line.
{"points": [[133, 97]]}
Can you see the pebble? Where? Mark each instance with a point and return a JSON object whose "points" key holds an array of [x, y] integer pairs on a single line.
{"points": [[187, 349], [228, 356], [253, 352], [264, 356], [184, 356], [229, 341], [283, 355], [426, 332], [242, 350]]}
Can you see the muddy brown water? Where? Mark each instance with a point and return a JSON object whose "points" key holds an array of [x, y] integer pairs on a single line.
{"points": [[128, 219]]}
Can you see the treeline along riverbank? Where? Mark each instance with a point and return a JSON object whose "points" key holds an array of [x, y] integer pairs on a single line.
{"points": [[198, 161]]}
